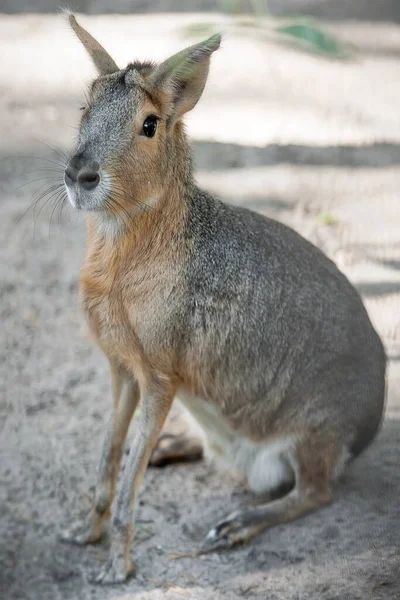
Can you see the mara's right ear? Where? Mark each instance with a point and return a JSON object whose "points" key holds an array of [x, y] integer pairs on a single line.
{"points": [[182, 77], [102, 60]]}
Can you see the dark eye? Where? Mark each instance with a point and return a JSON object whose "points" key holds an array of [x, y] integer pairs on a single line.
{"points": [[150, 126], [82, 108]]}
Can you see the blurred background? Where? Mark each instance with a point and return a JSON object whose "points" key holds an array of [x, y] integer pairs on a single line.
{"points": [[300, 120]]}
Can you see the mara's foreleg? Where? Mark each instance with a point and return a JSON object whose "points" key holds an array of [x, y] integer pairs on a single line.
{"points": [[126, 395], [156, 401]]}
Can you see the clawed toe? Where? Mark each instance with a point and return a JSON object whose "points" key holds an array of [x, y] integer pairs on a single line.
{"points": [[225, 534], [238, 528]]}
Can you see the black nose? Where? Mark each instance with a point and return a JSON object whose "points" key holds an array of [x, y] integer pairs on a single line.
{"points": [[88, 179]]}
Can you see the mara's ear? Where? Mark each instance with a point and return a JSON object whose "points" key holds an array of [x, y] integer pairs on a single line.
{"points": [[182, 77], [102, 60]]}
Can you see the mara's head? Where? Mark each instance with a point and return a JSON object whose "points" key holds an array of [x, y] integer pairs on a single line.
{"points": [[131, 142]]}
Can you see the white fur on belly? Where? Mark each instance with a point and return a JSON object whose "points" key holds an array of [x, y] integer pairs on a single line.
{"points": [[263, 464]]}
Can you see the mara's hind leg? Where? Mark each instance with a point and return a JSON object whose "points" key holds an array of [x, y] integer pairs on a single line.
{"points": [[314, 463], [172, 448]]}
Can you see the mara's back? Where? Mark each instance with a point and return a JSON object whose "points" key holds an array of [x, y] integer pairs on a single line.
{"points": [[282, 334]]}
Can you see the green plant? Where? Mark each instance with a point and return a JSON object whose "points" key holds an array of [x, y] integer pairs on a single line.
{"points": [[303, 33]]}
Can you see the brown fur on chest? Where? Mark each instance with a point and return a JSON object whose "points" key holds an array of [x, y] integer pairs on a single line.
{"points": [[105, 311], [124, 293]]}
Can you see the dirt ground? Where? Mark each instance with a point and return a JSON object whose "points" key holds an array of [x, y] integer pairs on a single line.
{"points": [[312, 142]]}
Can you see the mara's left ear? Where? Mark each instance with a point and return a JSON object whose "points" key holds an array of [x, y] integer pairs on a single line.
{"points": [[182, 77], [103, 62]]}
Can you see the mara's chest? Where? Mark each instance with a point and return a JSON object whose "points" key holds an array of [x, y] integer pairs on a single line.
{"points": [[131, 312], [107, 313]]}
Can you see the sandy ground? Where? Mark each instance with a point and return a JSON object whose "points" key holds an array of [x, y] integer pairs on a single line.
{"points": [[302, 139]]}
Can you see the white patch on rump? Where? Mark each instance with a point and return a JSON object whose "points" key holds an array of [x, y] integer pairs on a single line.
{"points": [[264, 465]]}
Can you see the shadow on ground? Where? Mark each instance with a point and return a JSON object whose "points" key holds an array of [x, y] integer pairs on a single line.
{"points": [[216, 155]]}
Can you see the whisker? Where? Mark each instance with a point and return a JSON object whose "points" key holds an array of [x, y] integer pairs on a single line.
{"points": [[56, 203], [30, 157], [123, 214], [50, 193], [53, 189], [29, 183], [149, 210], [123, 209], [114, 211], [36, 200], [55, 149], [45, 170], [62, 205]]}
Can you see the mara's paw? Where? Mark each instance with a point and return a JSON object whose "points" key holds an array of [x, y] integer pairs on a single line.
{"points": [[81, 533], [116, 570], [228, 533]]}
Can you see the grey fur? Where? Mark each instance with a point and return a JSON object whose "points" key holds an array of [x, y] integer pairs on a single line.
{"points": [[268, 304]]}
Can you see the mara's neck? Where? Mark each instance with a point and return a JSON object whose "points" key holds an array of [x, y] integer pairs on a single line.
{"points": [[154, 227]]}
